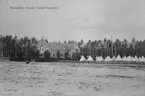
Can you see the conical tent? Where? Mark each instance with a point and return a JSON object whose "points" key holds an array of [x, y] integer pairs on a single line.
{"points": [[142, 59], [97, 58], [124, 58], [101, 58], [136, 58], [113, 58], [108, 58], [90, 58], [131, 59], [82, 58], [128, 58], [118, 58], [139, 58]]}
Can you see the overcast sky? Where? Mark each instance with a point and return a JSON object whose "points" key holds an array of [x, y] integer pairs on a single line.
{"points": [[75, 19]]}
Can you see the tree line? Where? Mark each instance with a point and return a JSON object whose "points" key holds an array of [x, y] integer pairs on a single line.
{"points": [[107, 47], [25, 47], [13, 46]]}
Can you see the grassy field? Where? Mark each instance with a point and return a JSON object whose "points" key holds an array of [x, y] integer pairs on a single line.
{"points": [[73, 79]]}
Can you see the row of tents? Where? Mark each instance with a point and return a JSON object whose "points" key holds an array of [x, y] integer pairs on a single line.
{"points": [[128, 59]]}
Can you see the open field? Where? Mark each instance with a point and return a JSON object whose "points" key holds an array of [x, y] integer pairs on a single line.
{"points": [[58, 79]]}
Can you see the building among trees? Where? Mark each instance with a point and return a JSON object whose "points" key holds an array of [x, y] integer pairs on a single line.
{"points": [[57, 49]]}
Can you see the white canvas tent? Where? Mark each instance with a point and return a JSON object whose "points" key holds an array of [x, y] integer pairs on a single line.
{"points": [[124, 58], [108, 58], [99, 58], [142, 59], [113, 58], [136, 59], [82, 58], [90, 58], [128, 58], [118, 58], [131, 59]]}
